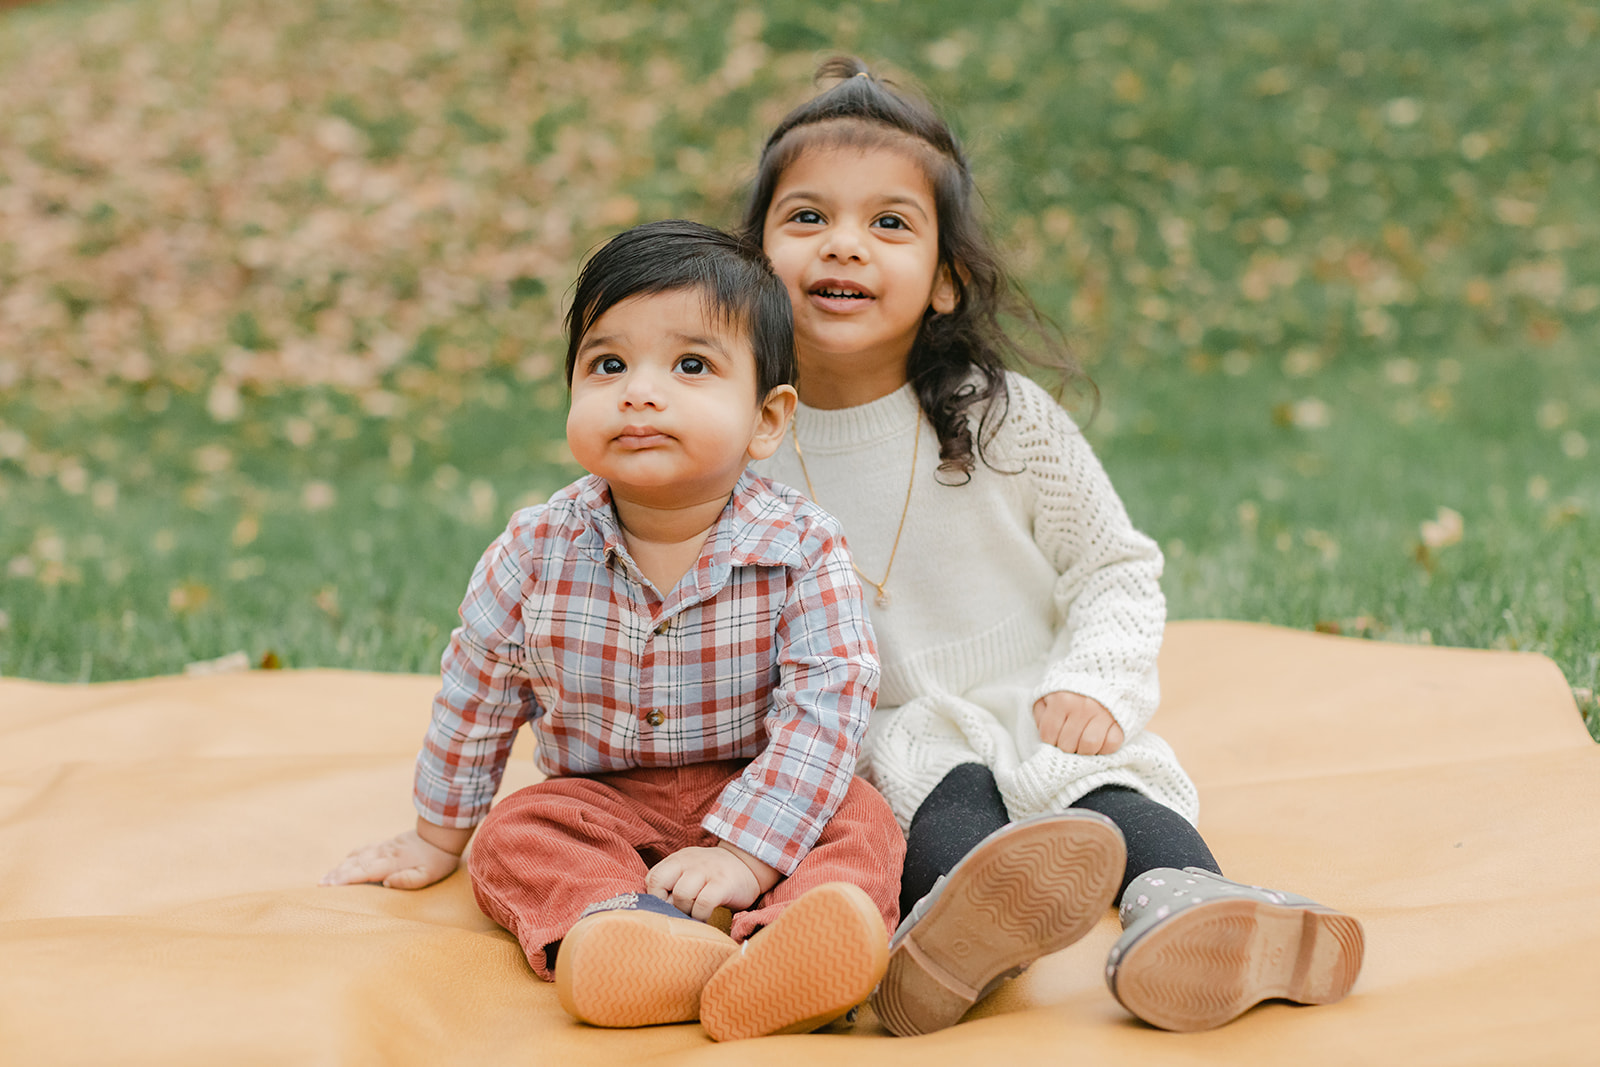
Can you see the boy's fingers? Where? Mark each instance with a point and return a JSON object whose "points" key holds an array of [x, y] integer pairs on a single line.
{"points": [[348, 871], [687, 891], [705, 904], [408, 878], [659, 880]]}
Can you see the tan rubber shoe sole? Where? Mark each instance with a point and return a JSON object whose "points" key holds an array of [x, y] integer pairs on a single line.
{"points": [[637, 968], [1027, 890], [1209, 963], [819, 959]]}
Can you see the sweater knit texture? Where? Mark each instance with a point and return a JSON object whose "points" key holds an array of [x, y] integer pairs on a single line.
{"points": [[1028, 579]]}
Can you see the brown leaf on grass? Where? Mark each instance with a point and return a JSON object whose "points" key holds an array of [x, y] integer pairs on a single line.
{"points": [[1443, 530], [188, 598], [233, 661]]}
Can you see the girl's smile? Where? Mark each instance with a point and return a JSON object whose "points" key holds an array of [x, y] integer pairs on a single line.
{"points": [[854, 234], [839, 297]]}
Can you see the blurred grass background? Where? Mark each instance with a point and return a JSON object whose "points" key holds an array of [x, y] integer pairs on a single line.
{"points": [[280, 288]]}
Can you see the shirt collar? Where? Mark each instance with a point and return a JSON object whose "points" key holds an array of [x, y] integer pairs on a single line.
{"points": [[760, 527], [755, 529]]}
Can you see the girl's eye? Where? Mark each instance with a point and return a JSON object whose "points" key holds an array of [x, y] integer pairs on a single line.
{"points": [[891, 222], [807, 217], [692, 365], [609, 365]]}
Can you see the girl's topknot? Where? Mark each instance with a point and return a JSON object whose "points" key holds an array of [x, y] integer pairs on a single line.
{"points": [[859, 95], [957, 363]]}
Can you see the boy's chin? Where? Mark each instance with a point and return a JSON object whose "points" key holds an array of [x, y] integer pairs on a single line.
{"points": [[669, 494]]}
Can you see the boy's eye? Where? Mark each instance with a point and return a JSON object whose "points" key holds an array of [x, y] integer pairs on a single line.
{"points": [[692, 365], [609, 365]]}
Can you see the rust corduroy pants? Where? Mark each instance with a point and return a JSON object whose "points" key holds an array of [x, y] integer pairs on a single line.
{"points": [[550, 850]]}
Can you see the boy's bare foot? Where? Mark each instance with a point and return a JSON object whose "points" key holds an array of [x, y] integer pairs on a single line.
{"points": [[821, 958]]}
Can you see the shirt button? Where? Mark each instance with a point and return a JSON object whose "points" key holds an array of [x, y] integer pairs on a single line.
{"points": [[655, 718], [666, 624]]}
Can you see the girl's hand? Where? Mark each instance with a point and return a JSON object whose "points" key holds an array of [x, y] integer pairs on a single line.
{"points": [[405, 861], [1075, 723], [697, 881]]}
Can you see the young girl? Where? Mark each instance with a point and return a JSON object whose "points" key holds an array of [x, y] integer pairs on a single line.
{"points": [[1018, 612]]}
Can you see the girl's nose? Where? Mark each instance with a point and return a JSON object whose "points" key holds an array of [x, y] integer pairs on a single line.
{"points": [[844, 243]]}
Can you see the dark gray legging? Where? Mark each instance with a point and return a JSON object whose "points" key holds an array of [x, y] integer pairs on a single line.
{"points": [[965, 807]]}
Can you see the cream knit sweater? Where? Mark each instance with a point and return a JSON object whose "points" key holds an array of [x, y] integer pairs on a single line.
{"points": [[1003, 589]]}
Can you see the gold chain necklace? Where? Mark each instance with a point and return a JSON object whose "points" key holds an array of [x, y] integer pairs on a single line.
{"points": [[905, 509]]}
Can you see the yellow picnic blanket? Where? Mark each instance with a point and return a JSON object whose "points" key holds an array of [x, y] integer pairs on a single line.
{"points": [[161, 840]]}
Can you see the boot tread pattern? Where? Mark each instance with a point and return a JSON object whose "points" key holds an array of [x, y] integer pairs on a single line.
{"points": [[821, 958], [1212, 962], [1023, 894], [635, 971]]}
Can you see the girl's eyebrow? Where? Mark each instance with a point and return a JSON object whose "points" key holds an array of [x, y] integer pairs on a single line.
{"points": [[906, 200], [796, 194], [897, 200]]}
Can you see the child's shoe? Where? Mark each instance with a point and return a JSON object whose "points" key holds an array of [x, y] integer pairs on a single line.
{"points": [[1028, 889], [635, 960], [1198, 950], [818, 960]]}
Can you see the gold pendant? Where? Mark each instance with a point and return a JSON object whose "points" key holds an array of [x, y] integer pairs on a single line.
{"points": [[882, 599]]}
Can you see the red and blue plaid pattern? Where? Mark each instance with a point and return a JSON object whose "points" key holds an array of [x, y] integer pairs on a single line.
{"points": [[761, 652]]}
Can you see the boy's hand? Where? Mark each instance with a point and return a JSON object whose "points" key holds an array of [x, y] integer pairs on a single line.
{"points": [[405, 861], [697, 881], [1075, 723]]}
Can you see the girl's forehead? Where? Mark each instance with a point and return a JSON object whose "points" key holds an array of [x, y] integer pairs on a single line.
{"points": [[853, 138], [864, 170]]}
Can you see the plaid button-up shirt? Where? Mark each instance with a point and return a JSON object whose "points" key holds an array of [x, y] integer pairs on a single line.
{"points": [[761, 651]]}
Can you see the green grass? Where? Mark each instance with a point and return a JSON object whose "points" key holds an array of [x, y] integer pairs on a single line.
{"points": [[280, 289]]}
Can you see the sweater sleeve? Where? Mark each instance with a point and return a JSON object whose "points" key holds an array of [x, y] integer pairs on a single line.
{"points": [[1109, 611]]}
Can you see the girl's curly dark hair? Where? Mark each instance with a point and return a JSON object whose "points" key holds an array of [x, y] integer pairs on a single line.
{"points": [[957, 363]]}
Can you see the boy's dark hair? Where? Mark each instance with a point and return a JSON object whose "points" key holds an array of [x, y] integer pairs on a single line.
{"points": [[863, 111], [663, 257]]}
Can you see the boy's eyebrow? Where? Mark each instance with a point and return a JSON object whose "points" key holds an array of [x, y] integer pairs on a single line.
{"points": [[692, 340], [601, 340]]}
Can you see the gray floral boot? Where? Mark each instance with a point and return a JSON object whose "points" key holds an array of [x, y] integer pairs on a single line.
{"points": [[1198, 950], [1028, 889]]}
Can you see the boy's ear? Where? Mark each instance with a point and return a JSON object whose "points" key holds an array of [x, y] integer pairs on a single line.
{"points": [[943, 298], [772, 421]]}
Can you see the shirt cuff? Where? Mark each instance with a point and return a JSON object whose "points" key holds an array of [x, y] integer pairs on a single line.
{"points": [[771, 826]]}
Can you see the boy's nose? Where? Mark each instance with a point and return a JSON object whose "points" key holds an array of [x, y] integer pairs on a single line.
{"points": [[642, 391]]}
